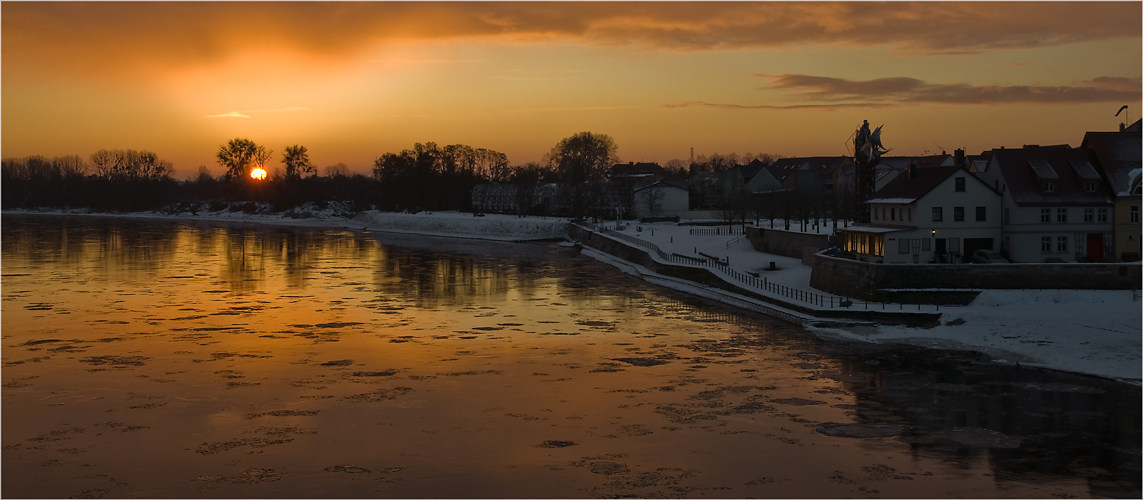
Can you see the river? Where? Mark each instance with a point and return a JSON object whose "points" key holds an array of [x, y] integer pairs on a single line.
{"points": [[148, 358]]}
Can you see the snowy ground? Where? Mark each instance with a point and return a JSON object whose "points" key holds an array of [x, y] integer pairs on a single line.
{"points": [[1096, 332], [1086, 331]]}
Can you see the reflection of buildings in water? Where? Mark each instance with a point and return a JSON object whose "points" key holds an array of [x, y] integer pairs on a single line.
{"points": [[1051, 423]]}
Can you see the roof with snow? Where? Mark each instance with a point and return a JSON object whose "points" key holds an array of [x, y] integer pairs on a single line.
{"points": [[1118, 154]]}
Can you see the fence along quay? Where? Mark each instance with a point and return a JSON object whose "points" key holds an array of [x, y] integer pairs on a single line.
{"points": [[816, 305]]}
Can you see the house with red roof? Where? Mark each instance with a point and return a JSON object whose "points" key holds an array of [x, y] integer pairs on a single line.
{"points": [[1055, 204]]}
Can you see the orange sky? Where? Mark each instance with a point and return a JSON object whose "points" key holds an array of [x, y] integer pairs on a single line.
{"points": [[351, 81]]}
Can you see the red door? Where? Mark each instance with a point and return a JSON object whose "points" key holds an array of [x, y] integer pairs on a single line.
{"points": [[1095, 247]]}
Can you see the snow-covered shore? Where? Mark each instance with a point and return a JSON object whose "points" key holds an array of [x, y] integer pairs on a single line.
{"points": [[1095, 332]]}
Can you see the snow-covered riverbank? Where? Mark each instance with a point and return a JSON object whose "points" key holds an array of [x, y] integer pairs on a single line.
{"points": [[1096, 332]]}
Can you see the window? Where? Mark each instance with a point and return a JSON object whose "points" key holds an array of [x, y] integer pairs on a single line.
{"points": [[960, 184], [937, 216], [903, 246], [926, 244], [1090, 186], [892, 213], [1061, 215], [981, 214], [1102, 213], [958, 214], [1045, 215], [910, 212], [1007, 215], [1134, 214], [1089, 215], [1061, 244], [1046, 244], [1049, 187]]}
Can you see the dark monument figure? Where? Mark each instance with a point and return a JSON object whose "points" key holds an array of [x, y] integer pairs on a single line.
{"points": [[867, 151]]}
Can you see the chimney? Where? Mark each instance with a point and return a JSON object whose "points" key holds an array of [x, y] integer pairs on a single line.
{"points": [[911, 171], [958, 158]]}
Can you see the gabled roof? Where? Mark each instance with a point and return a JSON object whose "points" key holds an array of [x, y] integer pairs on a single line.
{"points": [[633, 169], [905, 190], [662, 183], [900, 162], [1025, 181], [1117, 155]]}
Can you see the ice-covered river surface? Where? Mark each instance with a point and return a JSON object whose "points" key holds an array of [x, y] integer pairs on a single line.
{"points": [[174, 359]]}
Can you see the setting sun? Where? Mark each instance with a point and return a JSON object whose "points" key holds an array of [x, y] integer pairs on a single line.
{"points": [[258, 174]]}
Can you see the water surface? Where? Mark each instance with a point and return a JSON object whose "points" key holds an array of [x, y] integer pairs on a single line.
{"points": [[183, 359]]}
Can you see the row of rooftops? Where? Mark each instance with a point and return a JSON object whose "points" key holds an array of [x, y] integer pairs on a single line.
{"points": [[1106, 166], [1057, 174]]}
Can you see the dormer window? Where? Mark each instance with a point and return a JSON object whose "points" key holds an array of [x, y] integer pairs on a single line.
{"points": [[1090, 186], [1049, 187]]}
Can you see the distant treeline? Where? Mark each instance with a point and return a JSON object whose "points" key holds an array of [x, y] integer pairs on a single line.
{"points": [[425, 177]]}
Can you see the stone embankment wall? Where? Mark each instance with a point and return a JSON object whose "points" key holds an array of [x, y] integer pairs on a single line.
{"points": [[704, 276], [871, 281], [786, 243]]}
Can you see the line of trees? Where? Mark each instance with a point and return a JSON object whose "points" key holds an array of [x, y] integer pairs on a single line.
{"points": [[426, 176]]}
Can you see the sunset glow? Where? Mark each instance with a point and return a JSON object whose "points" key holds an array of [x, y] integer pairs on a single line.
{"points": [[352, 81], [258, 174]]}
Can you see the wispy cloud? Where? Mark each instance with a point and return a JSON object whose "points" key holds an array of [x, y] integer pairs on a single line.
{"points": [[232, 114], [825, 90], [818, 107], [243, 114]]}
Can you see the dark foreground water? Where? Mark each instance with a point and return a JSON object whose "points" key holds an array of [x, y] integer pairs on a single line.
{"points": [[160, 359]]}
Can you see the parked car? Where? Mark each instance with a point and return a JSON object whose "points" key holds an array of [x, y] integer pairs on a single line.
{"points": [[983, 256]]}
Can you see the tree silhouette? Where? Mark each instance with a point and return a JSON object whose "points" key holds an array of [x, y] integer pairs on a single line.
{"points": [[580, 160], [297, 162], [240, 156]]}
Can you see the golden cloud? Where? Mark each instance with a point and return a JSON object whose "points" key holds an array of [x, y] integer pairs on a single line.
{"points": [[110, 35]]}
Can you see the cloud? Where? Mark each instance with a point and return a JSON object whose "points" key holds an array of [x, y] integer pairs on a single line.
{"points": [[242, 114], [232, 114], [108, 35], [824, 90], [818, 107]]}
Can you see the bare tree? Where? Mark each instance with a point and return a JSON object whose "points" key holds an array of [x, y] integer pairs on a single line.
{"points": [[338, 169]]}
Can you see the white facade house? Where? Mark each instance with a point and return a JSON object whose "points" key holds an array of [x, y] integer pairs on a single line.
{"points": [[660, 198], [928, 215], [1055, 205]]}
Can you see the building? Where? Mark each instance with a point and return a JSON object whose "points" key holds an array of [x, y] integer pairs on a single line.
{"points": [[501, 198], [660, 198], [1118, 155], [1055, 204], [928, 215]]}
